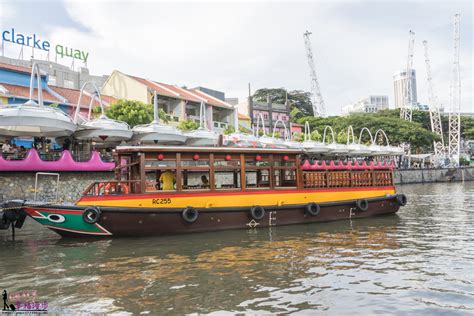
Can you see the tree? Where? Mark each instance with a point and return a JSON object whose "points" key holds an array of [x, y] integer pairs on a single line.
{"points": [[469, 134], [397, 130], [297, 99], [130, 111], [188, 125]]}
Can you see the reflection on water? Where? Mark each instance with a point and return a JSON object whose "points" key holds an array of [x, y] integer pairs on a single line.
{"points": [[420, 260]]}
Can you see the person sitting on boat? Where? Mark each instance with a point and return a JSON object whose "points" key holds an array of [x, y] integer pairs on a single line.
{"points": [[204, 181], [6, 147], [168, 180]]}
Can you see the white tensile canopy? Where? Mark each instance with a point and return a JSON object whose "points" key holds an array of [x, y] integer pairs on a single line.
{"points": [[202, 136], [35, 119], [102, 129], [311, 146], [158, 133]]}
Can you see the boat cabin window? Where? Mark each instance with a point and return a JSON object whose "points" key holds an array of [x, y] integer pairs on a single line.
{"points": [[284, 171], [257, 171], [227, 170], [160, 172], [195, 174]]}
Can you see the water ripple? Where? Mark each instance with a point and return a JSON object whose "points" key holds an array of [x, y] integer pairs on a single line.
{"points": [[419, 261]]}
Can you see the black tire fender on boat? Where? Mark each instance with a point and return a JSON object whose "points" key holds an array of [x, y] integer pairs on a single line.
{"points": [[401, 199], [190, 214], [313, 209], [91, 215], [257, 212], [362, 205]]}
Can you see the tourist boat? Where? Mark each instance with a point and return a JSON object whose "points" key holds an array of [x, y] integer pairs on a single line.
{"points": [[216, 188]]}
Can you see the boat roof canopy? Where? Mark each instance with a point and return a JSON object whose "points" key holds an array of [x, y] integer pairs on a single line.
{"points": [[137, 149]]}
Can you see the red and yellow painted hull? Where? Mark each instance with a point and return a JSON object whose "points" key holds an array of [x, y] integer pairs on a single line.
{"points": [[162, 213], [235, 199]]}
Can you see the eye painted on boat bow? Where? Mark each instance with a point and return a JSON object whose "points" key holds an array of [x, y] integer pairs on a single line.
{"points": [[56, 218]]}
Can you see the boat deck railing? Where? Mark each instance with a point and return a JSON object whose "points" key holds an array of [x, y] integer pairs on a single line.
{"points": [[351, 178], [112, 187]]}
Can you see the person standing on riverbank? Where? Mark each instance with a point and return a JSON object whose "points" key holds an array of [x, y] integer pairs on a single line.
{"points": [[5, 300]]}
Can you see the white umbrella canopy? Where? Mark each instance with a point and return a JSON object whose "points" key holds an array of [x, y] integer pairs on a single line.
{"points": [[239, 139], [385, 150], [102, 129], [267, 141], [333, 147], [202, 136], [35, 119], [158, 133], [311, 146], [356, 149]]}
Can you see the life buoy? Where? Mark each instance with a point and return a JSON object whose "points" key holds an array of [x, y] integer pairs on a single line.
{"points": [[190, 214], [313, 209], [402, 199], [257, 212], [91, 215], [362, 205]]}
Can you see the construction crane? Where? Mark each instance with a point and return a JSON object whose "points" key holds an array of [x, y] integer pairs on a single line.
{"points": [[435, 116], [406, 109], [319, 109], [454, 113]]}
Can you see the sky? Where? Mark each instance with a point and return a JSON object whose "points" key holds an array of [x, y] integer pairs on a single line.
{"points": [[357, 45]]}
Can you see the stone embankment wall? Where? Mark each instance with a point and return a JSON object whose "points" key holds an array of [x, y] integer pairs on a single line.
{"points": [[21, 185], [433, 175]]}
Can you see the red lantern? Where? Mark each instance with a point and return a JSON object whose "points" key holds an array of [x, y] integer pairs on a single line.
{"points": [[228, 157], [286, 158], [196, 157], [258, 158], [161, 157]]}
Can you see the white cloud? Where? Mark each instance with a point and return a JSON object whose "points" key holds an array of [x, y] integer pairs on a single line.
{"points": [[225, 46]]}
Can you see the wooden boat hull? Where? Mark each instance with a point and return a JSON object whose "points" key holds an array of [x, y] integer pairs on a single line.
{"points": [[136, 221]]}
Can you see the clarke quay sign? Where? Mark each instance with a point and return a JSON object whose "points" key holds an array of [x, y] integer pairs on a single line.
{"points": [[37, 43]]}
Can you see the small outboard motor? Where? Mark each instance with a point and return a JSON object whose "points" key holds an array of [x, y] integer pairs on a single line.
{"points": [[11, 212]]}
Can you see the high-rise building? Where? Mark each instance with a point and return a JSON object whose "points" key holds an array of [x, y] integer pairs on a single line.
{"points": [[369, 104], [400, 86]]}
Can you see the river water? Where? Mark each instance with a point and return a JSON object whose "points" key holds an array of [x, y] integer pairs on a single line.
{"points": [[420, 261]]}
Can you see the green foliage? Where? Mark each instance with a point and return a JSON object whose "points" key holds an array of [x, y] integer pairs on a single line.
{"points": [[277, 135], [469, 134], [397, 130], [229, 130], [296, 114], [467, 127], [188, 125], [54, 105], [316, 136], [423, 117], [245, 130], [131, 112], [341, 137], [97, 110], [298, 137], [297, 99], [162, 116], [464, 162]]}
